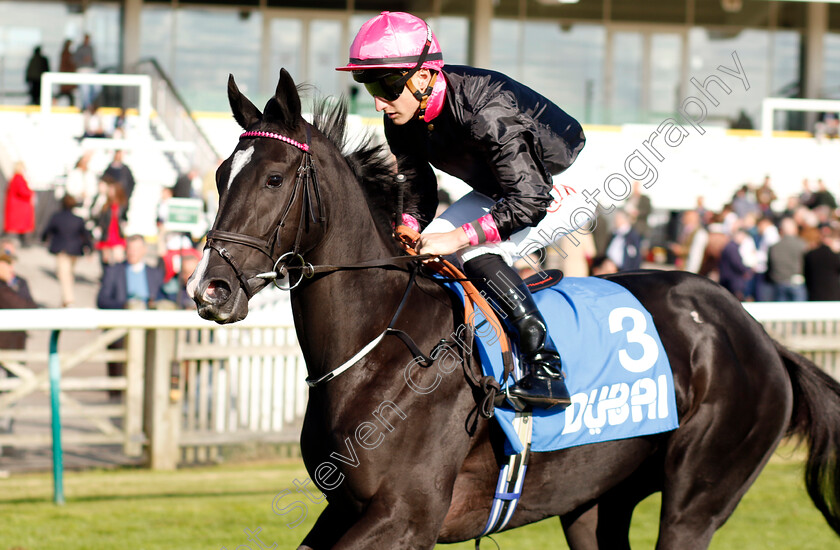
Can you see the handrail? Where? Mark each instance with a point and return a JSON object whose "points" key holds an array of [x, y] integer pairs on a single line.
{"points": [[172, 108], [92, 319]]}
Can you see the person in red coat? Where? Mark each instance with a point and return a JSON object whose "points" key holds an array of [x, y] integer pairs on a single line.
{"points": [[20, 206]]}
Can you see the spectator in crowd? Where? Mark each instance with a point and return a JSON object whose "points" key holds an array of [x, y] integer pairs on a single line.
{"points": [[11, 299], [17, 283], [68, 239], [823, 197], [20, 206], [748, 251], [110, 240], [132, 282], [704, 213], [121, 173], [734, 273], [624, 247], [765, 196], [94, 127], [742, 204], [768, 235], [38, 65], [187, 185], [806, 196], [602, 265], [639, 207], [717, 241], [785, 264], [82, 185], [690, 247], [821, 265], [67, 64], [188, 264], [85, 60]]}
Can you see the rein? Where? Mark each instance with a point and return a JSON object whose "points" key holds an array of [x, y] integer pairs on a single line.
{"points": [[306, 184]]}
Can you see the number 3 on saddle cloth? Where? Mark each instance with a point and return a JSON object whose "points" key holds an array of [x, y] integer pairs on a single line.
{"points": [[615, 366]]}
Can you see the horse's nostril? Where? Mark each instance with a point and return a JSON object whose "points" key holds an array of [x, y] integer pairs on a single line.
{"points": [[218, 291]]}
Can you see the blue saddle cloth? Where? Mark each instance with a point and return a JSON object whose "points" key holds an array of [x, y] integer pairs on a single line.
{"points": [[616, 368]]}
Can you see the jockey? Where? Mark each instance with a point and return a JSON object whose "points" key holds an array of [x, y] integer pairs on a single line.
{"points": [[497, 135]]}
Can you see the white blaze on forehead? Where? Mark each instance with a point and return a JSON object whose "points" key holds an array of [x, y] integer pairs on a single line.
{"points": [[240, 159], [192, 284]]}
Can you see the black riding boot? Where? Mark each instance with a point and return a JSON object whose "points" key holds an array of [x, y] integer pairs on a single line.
{"points": [[542, 385]]}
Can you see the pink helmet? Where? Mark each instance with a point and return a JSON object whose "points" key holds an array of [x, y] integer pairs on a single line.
{"points": [[394, 40]]}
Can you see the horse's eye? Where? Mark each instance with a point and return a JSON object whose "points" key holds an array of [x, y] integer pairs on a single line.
{"points": [[274, 181]]}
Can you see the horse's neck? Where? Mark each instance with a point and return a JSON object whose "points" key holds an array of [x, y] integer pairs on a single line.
{"points": [[338, 314]]}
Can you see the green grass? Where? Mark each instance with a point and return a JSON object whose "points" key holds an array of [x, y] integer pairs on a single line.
{"points": [[208, 508]]}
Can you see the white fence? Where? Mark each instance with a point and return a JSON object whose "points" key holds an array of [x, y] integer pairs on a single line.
{"points": [[191, 386]]}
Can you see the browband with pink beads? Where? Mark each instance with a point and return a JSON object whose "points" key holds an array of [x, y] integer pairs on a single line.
{"points": [[302, 146]]}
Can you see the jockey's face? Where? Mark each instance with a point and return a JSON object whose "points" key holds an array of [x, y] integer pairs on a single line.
{"points": [[404, 108]]}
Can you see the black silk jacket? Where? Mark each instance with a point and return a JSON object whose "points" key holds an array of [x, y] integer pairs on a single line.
{"points": [[499, 136]]}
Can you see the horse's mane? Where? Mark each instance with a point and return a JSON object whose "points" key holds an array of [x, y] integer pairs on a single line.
{"points": [[370, 160]]}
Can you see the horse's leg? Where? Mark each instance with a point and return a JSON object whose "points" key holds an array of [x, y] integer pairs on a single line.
{"points": [[714, 457], [606, 524], [410, 519], [580, 527], [328, 528]]}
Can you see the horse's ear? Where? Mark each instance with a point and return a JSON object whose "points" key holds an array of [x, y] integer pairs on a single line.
{"points": [[285, 105], [244, 112]]}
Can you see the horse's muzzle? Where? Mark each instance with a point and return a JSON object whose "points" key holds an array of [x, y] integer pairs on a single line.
{"points": [[219, 301]]}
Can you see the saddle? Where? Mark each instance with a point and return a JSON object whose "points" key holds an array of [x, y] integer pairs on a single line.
{"points": [[494, 396]]}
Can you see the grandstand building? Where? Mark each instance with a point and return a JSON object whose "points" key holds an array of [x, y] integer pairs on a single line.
{"points": [[623, 67]]}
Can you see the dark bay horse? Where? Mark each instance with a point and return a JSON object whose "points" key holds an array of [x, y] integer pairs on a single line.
{"points": [[408, 469]]}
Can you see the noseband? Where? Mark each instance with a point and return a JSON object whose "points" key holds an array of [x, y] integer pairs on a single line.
{"points": [[306, 183]]}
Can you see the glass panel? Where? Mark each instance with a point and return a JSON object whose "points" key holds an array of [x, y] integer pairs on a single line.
{"points": [[831, 74], [325, 54], [285, 52], [209, 45], [453, 36], [102, 21], [625, 101], [786, 62], [565, 64], [659, 11], [751, 13], [506, 47], [156, 35], [24, 25], [584, 9], [665, 64], [709, 49]]}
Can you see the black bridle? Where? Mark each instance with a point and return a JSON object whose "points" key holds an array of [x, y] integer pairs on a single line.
{"points": [[306, 184]]}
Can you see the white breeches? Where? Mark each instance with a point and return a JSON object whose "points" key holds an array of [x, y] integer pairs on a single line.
{"points": [[473, 205]]}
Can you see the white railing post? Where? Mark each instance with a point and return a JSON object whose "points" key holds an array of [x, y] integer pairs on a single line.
{"points": [[163, 418]]}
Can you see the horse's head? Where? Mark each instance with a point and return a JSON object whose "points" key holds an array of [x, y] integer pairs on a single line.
{"points": [[270, 207]]}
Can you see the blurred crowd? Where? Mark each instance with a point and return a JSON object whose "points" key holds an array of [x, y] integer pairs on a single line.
{"points": [[756, 249], [91, 219], [764, 254]]}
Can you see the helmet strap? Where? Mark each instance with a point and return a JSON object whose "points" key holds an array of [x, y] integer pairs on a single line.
{"points": [[422, 97]]}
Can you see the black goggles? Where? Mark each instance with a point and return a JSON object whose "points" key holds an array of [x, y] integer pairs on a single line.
{"points": [[388, 85]]}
